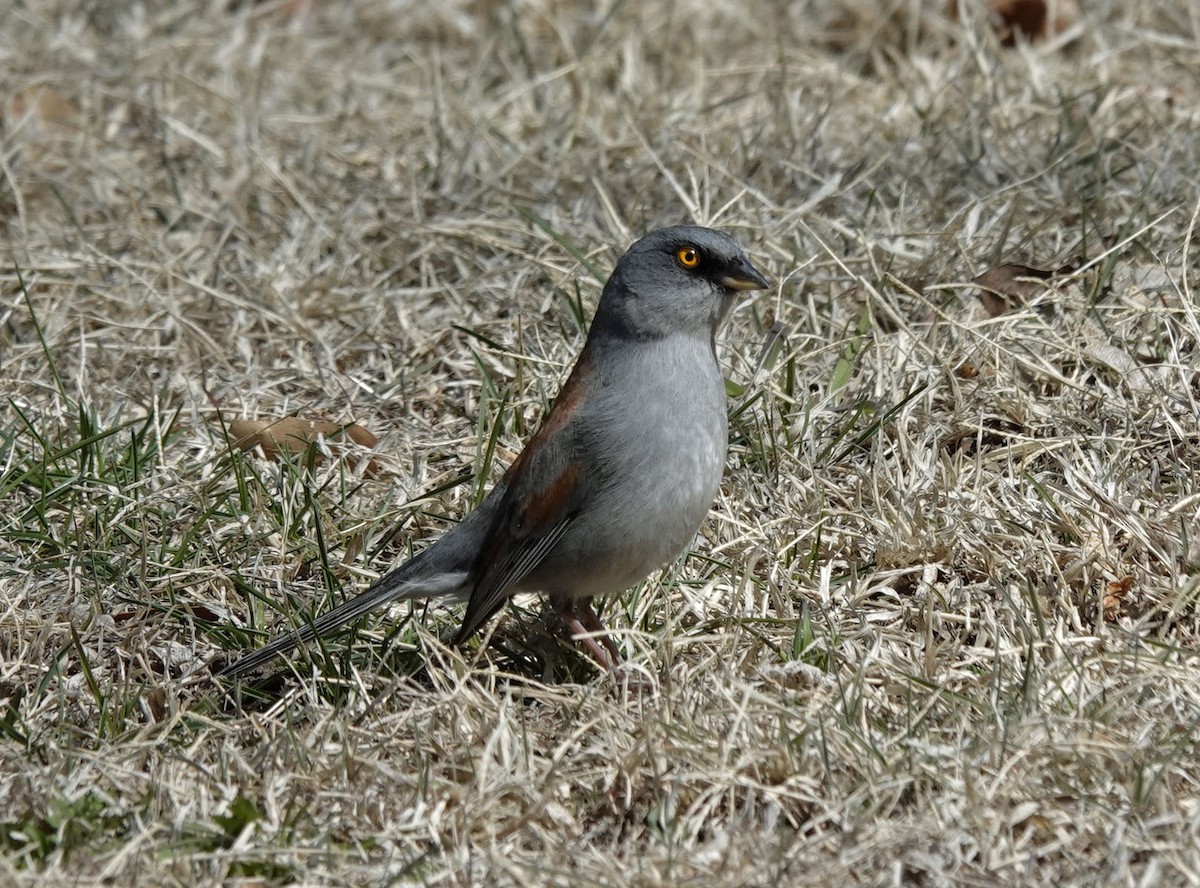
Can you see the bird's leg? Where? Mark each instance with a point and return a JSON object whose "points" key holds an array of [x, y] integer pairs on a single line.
{"points": [[592, 621], [586, 627]]}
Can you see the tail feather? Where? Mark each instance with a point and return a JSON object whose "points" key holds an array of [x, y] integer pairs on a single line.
{"points": [[442, 569], [404, 583]]}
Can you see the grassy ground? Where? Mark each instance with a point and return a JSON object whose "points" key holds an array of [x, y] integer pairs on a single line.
{"points": [[941, 627]]}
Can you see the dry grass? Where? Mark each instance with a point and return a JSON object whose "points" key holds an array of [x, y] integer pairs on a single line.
{"points": [[941, 627]]}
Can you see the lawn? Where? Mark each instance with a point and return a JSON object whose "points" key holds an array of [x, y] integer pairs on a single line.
{"points": [[940, 627]]}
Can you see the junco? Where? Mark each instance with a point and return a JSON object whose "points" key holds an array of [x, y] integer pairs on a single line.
{"points": [[622, 471]]}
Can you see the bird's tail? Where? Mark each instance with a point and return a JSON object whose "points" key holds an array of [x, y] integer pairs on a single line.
{"points": [[411, 580]]}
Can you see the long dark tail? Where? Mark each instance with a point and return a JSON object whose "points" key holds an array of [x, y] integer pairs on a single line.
{"points": [[411, 580]]}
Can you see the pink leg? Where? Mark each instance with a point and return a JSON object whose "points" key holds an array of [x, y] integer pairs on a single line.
{"points": [[590, 619], [587, 629]]}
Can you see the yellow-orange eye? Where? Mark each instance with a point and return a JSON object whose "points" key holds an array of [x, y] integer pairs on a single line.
{"points": [[689, 257]]}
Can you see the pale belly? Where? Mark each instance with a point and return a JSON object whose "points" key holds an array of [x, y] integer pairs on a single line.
{"points": [[662, 478]]}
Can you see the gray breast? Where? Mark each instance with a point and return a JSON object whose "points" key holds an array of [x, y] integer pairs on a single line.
{"points": [[661, 459]]}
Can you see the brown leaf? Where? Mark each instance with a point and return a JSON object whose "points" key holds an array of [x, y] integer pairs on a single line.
{"points": [[296, 435], [1033, 19], [966, 370], [991, 433], [154, 705], [1008, 286], [45, 104], [203, 612], [1112, 604]]}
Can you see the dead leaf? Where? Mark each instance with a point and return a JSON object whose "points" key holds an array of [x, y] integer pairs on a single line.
{"points": [[1112, 603], [45, 104], [296, 435], [1032, 19], [991, 433], [1143, 380], [154, 705], [1008, 286], [203, 612]]}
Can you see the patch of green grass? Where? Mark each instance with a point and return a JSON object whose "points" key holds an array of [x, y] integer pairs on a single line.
{"points": [[62, 828]]}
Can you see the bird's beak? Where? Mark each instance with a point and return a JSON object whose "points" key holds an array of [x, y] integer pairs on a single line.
{"points": [[744, 276]]}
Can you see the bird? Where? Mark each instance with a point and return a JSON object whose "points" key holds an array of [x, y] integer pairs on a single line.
{"points": [[621, 473]]}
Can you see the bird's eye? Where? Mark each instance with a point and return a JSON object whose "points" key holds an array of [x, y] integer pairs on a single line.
{"points": [[689, 257]]}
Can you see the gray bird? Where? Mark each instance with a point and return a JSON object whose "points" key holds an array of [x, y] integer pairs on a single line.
{"points": [[622, 471]]}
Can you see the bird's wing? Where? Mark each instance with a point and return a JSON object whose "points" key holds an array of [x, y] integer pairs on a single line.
{"points": [[545, 489]]}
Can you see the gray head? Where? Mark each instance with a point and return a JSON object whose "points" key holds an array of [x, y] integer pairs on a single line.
{"points": [[675, 280]]}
